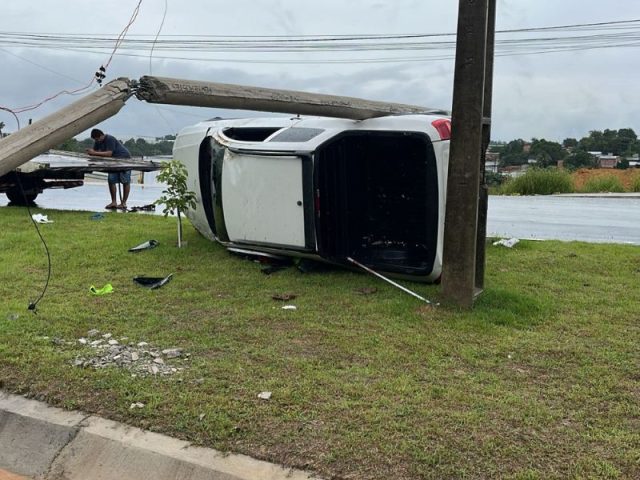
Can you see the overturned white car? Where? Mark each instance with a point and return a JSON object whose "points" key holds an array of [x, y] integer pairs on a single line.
{"points": [[324, 188]]}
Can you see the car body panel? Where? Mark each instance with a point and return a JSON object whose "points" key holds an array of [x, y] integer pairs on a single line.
{"points": [[247, 180]]}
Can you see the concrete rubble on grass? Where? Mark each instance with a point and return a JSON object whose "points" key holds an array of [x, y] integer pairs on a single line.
{"points": [[140, 359]]}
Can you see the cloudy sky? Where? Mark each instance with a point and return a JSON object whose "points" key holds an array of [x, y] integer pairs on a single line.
{"points": [[549, 84]]}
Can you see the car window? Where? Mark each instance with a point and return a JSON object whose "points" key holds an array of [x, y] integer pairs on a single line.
{"points": [[296, 135]]}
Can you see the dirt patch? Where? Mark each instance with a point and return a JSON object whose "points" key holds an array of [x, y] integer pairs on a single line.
{"points": [[583, 175]]}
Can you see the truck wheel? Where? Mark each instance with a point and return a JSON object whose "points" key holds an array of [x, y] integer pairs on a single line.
{"points": [[16, 197]]}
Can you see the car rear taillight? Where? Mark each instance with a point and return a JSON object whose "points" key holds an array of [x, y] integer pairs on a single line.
{"points": [[443, 126]]}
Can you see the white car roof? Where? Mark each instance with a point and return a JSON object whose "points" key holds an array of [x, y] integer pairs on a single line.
{"points": [[328, 127]]}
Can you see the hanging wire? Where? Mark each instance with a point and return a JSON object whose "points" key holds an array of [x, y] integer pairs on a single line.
{"points": [[155, 40], [33, 304], [98, 76], [12, 113]]}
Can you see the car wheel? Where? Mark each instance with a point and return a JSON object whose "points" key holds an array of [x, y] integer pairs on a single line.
{"points": [[16, 197]]}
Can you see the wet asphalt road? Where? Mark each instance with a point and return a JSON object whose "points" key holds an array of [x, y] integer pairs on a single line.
{"points": [[607, 218]]}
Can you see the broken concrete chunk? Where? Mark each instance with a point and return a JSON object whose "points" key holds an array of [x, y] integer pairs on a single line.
{"points": [[172, 352]]}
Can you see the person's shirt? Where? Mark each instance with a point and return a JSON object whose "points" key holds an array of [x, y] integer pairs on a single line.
{"points": [[111, 143]]}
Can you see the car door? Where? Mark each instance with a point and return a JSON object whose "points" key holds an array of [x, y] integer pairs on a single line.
{"points": [[262, 198]]}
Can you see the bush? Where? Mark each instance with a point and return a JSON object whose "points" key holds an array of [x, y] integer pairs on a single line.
{"points": [[539, 182], [635, 183], [608, 183], [494, 179]]}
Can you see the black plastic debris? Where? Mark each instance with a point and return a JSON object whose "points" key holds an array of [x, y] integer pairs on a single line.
{"points": [[284, 297], [153, 282], [145, 246], [144, 208], [269, 269], [305, 265]]}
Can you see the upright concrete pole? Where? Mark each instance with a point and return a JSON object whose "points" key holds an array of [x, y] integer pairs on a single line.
{"points": [[463, 184]]}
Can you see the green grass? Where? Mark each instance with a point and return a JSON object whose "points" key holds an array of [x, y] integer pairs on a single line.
{"points": [[538, 181], [608, 183], [539, 381], [635, 183]]}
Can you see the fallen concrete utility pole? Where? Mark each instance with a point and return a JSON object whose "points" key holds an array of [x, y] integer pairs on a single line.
{"points": [[174, 91], [31, 141]]}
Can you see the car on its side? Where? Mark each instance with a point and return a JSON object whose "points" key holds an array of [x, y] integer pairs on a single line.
{"points": [[324, 188]]}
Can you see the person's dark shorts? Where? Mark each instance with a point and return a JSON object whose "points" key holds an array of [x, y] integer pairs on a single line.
{"points": [[120, 177]]}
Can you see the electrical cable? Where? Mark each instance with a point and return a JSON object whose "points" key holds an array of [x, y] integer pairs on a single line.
{"points": [[33, 304], [155, 40], [12, 113], [98, 76], [40, 66]]}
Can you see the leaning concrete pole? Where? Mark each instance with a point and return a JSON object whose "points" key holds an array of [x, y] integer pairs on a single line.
{"points": [[37, 138], [174, 91]]}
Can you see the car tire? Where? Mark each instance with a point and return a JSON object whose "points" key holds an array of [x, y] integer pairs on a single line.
{"points": [[16, 197]]}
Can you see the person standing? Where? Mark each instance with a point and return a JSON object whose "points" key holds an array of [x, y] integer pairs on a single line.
{"points": [[108, 146]]}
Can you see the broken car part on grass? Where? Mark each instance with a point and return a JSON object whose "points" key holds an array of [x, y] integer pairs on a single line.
{"points": [[153, 282]]}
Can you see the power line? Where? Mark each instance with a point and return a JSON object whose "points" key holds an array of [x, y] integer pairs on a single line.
{"points": [[99, 75], [576, 37], [322, 37]]}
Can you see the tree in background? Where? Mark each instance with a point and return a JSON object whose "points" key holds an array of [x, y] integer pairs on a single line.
{"points": [[546, 153], [623, 164], [2, 125], [513, 153], [616, 142], [177, 197], [69, 145], [580, 159], [137, 147]]}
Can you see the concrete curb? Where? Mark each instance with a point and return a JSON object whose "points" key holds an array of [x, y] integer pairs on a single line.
{"points": [[52, 444]]}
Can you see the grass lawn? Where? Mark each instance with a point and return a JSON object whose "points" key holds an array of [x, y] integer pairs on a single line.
{"points": [[541, 380]]}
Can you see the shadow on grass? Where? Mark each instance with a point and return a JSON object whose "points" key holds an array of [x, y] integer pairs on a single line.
{"points": [[500, 306]]}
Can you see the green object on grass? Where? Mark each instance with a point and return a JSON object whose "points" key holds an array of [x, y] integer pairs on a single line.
{"points": [[108, 288]]}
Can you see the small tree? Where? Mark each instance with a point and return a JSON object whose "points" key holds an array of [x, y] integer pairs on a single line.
{"points": [[176, 198]]}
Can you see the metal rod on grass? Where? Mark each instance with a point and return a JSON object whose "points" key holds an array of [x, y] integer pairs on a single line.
{"points": [[397, 285]]}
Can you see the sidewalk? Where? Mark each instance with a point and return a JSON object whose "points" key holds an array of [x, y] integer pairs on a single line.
{"points": [[40, 441]]}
